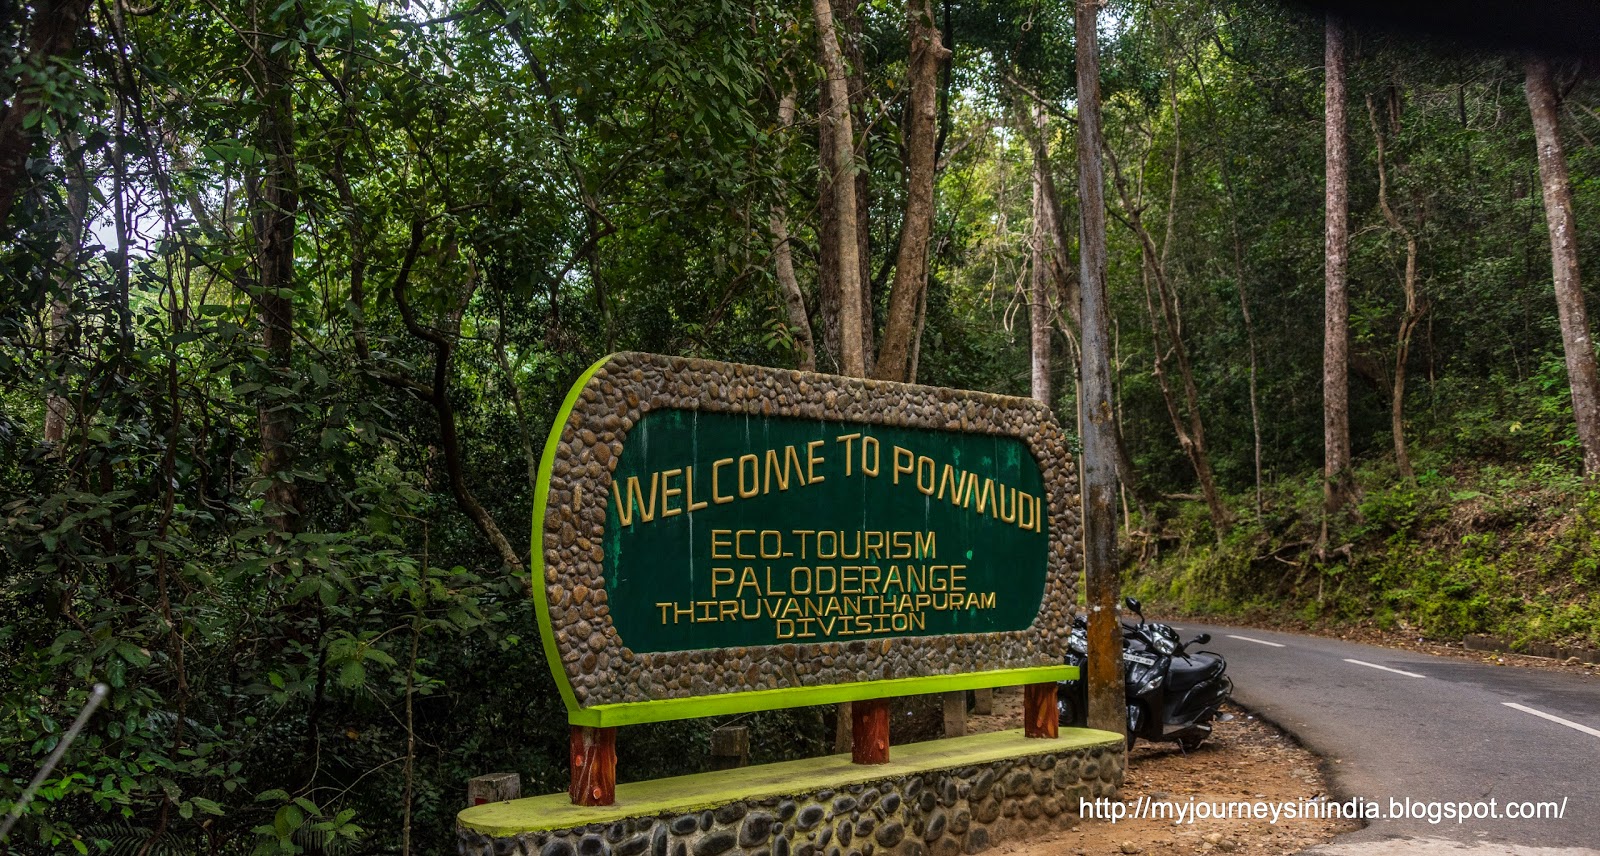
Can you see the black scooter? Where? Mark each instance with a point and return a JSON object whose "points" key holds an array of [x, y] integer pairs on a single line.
{"points": [[1172, 695]]}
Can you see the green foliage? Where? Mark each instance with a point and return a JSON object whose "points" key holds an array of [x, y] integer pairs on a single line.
{"points": [[1510, 551], [486, 197]]}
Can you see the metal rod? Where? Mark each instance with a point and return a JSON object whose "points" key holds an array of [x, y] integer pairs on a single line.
{"points": [[95, 697]]}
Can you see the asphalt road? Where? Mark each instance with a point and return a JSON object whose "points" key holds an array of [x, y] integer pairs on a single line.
{"points": [[1396, 725]]}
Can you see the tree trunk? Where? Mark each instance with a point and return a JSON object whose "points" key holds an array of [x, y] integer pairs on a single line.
{"points": [[1337, 483], [276, 203], [838, 162], [58, 408], [1581, 372], [916, 339], [849, 31], [52, 28], [1412, 315], [1238, 279], [921, 134], [1190, 428], [1042, 280], [1190, 431], [783, 259], [1107, 709]]}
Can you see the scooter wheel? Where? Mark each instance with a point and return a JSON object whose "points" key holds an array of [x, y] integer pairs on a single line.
{"points": [[1067, 712]]}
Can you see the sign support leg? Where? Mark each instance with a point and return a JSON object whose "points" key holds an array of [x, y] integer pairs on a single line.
{"points": [[594, 766], [869, 727], [1040, 716]]}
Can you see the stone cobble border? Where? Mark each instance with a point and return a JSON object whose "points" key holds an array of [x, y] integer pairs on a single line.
{"points": [[936, 813], [602, 670]]}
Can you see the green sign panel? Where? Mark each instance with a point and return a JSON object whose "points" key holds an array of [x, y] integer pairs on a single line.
{"points": [[726, 530]]}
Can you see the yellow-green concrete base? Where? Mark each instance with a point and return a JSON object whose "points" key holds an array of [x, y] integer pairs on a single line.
{"points": [[958, 795]]}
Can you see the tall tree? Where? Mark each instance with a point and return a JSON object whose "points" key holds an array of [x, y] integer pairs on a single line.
{"points": [[1041, 281], [52, 28], [1225, 155], [838, 165], [1414, 310], [1099, 482], [783, 260], [57, 407], [1337, 482], [920, 128], [1166, 327], [1544, 103], [276, 201]]}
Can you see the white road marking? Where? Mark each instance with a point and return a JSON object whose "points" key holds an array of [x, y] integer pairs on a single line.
{"points": [[1257, 641], [1593, 732], [1385, 668]]}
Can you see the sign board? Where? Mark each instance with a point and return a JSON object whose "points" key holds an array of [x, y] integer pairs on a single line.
{"points": [[720, 537]]}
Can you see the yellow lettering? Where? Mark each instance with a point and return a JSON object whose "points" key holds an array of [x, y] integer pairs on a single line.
{"points": [[802, 533], [688, 479], [776, 550], [624, 511], [987, 495], [845, 554], [925, 548], [832, 549], [755, 476], [869, 463], [775, 465], [813, 460], [930, 469], [874, 546], [739, 550], [910, 463], [791, 459], [716, 495], [667, 493], [901, 545], [720, 577], [849, 441], [721, 544]]}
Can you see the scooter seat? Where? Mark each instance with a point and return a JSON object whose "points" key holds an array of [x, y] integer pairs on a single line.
{"points": [[1190, 671]]}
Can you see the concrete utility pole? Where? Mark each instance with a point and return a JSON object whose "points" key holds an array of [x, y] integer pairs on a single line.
{"points": [[1107, 707]]}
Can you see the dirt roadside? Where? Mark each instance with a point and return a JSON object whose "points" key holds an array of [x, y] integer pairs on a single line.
{"points": [[1246, 760]]}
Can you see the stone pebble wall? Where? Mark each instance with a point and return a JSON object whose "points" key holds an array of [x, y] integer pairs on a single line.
{"points": [[601, 669], [937, 813]]}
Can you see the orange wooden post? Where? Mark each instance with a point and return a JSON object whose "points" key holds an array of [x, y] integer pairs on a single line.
{"points": [[869, 730], [1040, 717], [594, 766]]}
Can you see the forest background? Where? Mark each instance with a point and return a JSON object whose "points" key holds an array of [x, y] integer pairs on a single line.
{"points": [[292, 291]]}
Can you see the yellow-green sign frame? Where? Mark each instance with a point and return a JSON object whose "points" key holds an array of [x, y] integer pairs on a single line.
{"points": [[604, 683]]}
